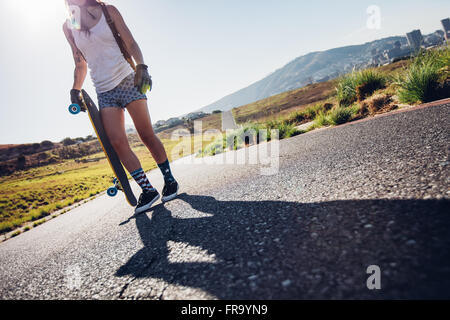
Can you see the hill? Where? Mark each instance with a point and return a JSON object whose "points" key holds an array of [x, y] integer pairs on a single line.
{"points": [[282, 104], [307, 69]]}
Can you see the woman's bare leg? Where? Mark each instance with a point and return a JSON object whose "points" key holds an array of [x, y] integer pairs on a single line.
{"points": [[114, 122], [139, 113]]}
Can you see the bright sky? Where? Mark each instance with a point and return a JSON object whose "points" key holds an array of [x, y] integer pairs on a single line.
{"points": [[198, 51]]}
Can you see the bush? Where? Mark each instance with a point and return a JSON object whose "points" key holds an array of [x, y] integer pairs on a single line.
{"points": [[6, 227], [68, 142], [15, 234], [46, 144], [249, 134], [340, 115], [285, 129], [358, 85], [20, 162], [42, 214], [309, 113], [321, 120], [422, 80], [216, 147]]}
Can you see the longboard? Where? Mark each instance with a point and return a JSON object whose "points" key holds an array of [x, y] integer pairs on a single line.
{"points": [[121, 181]]}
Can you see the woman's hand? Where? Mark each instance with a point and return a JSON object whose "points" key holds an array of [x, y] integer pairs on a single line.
{"points": [[75, 98], [142, 79]]}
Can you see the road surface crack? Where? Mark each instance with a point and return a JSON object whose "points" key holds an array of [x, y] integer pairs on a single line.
{"points": [[126, 285], [142, 272]]}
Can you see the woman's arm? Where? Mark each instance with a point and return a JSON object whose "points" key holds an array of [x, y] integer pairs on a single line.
{"points": [[80, 63], [125, 34]]}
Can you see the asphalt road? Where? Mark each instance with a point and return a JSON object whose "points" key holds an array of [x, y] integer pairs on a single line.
{"points": [[369, 193]]}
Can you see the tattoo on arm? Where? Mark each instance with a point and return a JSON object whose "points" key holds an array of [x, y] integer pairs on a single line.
{"points": [[78, 57]]}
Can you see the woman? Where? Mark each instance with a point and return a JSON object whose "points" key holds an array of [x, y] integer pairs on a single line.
{"points": [[118, 88]]}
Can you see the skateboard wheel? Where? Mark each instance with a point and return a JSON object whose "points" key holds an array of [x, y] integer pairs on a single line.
{"points": [[112, 192], [74, 109]]}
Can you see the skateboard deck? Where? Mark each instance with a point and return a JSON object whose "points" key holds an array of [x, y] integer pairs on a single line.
{"points": [[122, 182]]}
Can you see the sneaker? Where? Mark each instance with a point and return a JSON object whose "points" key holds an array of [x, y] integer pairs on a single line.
{"points": [[170, 191], [146, 200]]}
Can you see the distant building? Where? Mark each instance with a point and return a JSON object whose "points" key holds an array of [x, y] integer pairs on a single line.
{"points": [[434, 39], [160, 123], [174, 122], [446, 27], [195, 115], [397, 52], [415, 39], [379, 59]]}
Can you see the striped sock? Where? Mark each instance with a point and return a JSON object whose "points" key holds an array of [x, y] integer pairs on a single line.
{"points": [[142, 180]]}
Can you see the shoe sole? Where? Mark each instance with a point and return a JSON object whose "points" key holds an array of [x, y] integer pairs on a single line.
{"points": [[147, 206], [171, 197]]}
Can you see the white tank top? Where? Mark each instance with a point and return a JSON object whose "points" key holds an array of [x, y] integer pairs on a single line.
{"points": [[106, 63]]}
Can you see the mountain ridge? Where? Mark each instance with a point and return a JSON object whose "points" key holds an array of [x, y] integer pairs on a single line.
{"points": [[312, 67]]}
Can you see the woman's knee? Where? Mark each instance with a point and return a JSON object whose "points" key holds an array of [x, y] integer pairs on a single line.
{"points": [[148, 136], [119, 143]]}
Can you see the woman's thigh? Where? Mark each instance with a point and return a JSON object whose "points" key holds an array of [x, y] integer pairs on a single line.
{"points": [[138, 111], [114, 123]]}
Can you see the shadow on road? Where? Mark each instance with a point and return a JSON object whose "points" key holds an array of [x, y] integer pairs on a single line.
{"points": [[289, 250]]}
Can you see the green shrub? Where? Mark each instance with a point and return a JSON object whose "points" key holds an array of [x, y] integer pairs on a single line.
{"points": [[359, 85], [15, 234], [249, 134], [6, 227], [38, 223], [252, 133], [308, 114], [340, 115], [285, 129], [321, 120], [421, 81], [215, 147], [312, 111]]}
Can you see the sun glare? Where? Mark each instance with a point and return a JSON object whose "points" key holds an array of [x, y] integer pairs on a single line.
{"points": [[36, 13]]}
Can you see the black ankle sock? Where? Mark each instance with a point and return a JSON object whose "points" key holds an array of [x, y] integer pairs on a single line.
{"points": [[167, 173]]}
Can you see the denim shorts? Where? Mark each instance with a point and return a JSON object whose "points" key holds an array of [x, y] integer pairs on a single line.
{"points": [[122, 95]]}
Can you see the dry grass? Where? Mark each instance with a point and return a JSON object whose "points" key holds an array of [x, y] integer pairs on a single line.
{"points": [[377, 104], [33, 194], [284, 103]]}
